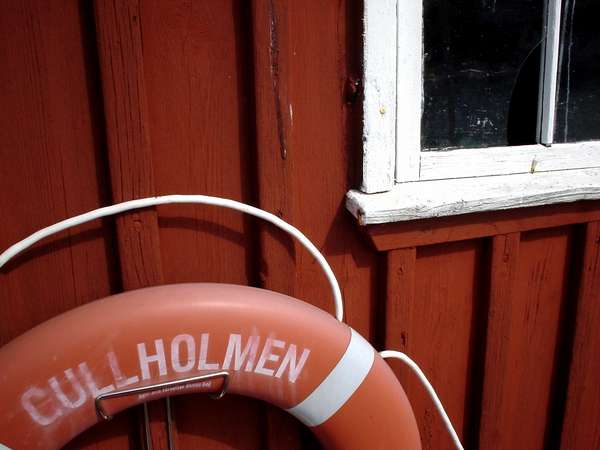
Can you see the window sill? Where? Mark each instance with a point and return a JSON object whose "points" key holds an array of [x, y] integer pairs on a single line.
{"points": [[440, 198]]}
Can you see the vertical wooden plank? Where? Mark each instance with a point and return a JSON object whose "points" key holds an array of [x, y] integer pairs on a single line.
{"points": [[432, 296], [274, 114], [198, 75], [529, 281], [400, 297], [49, 165], [581, 426], [130, 158], [308, 134], [306, 183], [503, 283], [52, 167]]}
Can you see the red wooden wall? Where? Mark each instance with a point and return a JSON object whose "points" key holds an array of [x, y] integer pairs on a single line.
{"points": [[110, 100]]}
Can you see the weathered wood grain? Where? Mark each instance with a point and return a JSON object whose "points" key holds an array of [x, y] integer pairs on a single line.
{"points": [[198, 75], [439, 198], [306, 127], [481, 162], [503, 284], [120, 52], [129, 153], [401, 276], [409, 90], [48, 166], [435, 328], [472, 226], [280, 264], [51, 168], [379, 100], [529, 281], [260, 102], [582, 412]]}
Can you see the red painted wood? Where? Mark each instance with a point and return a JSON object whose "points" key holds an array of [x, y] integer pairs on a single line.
{"points": [[400, 300], [48, 168], [305, 131], [499, 361], [472, 226], [307, 185], [275, 154], [129, 153], [120, 433], [523, 329], [121, 62], [51, 168], [435, 328], [251, 101], [582, 413], [197, 70]]}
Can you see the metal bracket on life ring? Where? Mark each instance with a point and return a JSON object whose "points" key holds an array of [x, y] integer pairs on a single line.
{"points": [[166, 387]]}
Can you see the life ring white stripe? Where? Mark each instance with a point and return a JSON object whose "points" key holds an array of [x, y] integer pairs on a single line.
{"points": [[335, 390], [4, 447]]}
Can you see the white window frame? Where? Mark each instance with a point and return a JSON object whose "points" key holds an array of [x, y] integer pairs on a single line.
{"points": [[394, 164]]}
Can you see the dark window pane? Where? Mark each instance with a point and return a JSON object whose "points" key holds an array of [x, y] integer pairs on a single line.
{"points": [[578, 103], [481, 71]]}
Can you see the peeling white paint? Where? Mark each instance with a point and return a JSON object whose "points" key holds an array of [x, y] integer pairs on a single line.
{"points": [[491, 161], [409, 89], [379, 139], [393, 96], [425, 199]]}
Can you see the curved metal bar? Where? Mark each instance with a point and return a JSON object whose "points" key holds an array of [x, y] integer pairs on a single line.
{"points": [[166, 387]]}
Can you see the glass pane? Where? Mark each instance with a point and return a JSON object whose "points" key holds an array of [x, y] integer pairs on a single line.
{"points": [[481, 72], [578, 102]]}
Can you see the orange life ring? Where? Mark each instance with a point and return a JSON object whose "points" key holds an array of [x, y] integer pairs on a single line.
{"points": [[273, 347]]}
